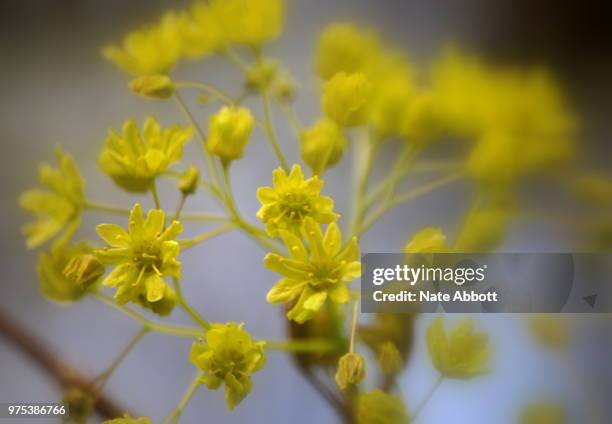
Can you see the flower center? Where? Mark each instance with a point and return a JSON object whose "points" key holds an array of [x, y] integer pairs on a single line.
{"points": [[295, 206]]}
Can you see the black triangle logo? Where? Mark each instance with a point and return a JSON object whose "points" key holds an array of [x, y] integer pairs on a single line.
{"points": [[591, 300]]}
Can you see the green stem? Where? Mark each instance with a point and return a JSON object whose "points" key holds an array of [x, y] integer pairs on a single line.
{"points": [[419, 191], [155, 195], [189, 310], [102, 207], [204, 217], [269, 128], [303, 345], [214, 91], [103, 378], [175, 415], [180, 206], [367, 151], [292, 119], [353, 327], [187, 244], [231, 55], [173, 330], [427, 398]]}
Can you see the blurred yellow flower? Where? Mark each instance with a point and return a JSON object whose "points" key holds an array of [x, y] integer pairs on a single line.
{"points": [[428, 240], [550, 330], [200, 30], [483, 230], [351, 370], [463, 353], [322, 145], [378, 407], [229, 356], [154, 49], [153, 86], [143, 255], [346, 98], [84, 269], [314, 274], [390, 359], [291, 200], [343, 47], [133, 159], [250, 22], [229, 131], [58, 206], [126, 419], [543, 412], [54, 285]]}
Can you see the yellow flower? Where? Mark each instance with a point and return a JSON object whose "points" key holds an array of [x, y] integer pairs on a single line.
{"points": [[346, 98], [154, 49], [229, 356], [291, 200], [126, 419], [390, 358], [57, 207], [552, 331], [153, 86], [229, 131], [311, 276], [462, 354], [378, 407], [250, 22], [543, 412], [260, 75], [201, 31], [54, 285], [351, 370], [323, 145], [143, 256], [189, 180], [343, 47], [84, 269], [133, 159], [482, 231], [428, 240]]}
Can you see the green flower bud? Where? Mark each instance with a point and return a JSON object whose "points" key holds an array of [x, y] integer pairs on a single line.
{"points": [[351, 370], [229, 131], [390, 359], [51, 265], [153, 86], [284, 89], [323, 145], [260, 76], [346, 98], [377, 407], [84, 270], [188, 181]]}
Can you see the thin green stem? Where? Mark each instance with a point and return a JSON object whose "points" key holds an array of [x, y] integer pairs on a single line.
{"points": [[271, 133], [173, 330], [292, 119], [303, 345], [180, 206], [427, 398], [419, 191], [212, 90], [187, 308], [231, 55], [367, 151], [204, 217], [353, 327], [103, 377], [187, 244], [193, 387], [155, 195], [102, 207]]}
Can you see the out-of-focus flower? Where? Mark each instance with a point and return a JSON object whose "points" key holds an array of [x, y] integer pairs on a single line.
{"points": [[261, 75], [351, 370], [343, 47], [463, 353], [428, 240], [153, 86], [346, 98], [286, 205], [422, 123], [200, 30], [311, 276], [57, 207], [189, 180], [388, 327], [126, 419], [323, 145], [284, 88], [79, 403], [592, 188], [229, 356], [133, 159], [84, 269], [250, 22], [390, 359], [229, 131], [143, 256], [54, 285], [483, 230], [543, 412], [378, 407], [552, 331], [152, 50]]}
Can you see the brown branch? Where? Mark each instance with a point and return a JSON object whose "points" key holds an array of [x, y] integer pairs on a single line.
{"points": [[64, 374]]}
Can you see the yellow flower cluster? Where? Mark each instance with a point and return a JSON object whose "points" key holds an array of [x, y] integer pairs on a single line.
{"points": [[133, 159], [229, 131], [228, 356], [143, 255], [313, 274]]}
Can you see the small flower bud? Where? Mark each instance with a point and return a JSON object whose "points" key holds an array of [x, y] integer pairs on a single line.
{"points": [[260, 76], [284, 89], [323, 145], [153, 86], [84, 269], [229, 131], [390, 359], [346, 98], [188, 181], [351, 370]]}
